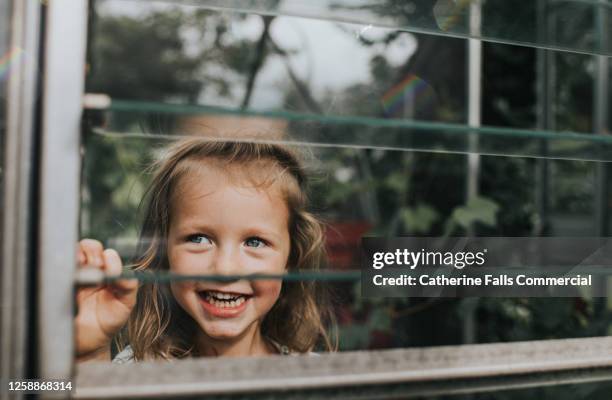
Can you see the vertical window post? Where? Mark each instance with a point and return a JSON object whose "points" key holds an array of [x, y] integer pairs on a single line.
{"points": [[64, 70]]}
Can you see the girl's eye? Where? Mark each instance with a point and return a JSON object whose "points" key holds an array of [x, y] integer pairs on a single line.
{"points": [[199, 239], [254, 242]]}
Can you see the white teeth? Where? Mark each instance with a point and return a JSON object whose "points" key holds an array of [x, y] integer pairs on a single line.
{"points": [[224, 300]]}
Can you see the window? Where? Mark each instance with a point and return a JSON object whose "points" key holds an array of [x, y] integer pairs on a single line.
{"points": [[416, 129]]}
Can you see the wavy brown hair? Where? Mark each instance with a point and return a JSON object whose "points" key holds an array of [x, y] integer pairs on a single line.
{"points": [[158, 327]]}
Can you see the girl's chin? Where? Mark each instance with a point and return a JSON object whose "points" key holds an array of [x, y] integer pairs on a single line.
{"points": [[221, 331]]}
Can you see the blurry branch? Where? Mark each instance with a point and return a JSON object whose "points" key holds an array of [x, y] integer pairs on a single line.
{"points": [[260, 55], [368, 198], [301, 87], [306, 96]]}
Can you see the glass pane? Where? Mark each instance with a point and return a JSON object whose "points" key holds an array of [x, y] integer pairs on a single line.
{"points": [[574, 25], [360, 192], [167, 120], [376, 87], [351, 95], [239, 60]]}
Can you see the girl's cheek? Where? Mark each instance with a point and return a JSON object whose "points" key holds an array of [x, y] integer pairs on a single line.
{"points": [[180, 290], [187, 263], [268, 290]]}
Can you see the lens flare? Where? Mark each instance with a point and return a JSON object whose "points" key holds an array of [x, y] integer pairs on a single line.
{"points": [[449, 13], [411, 93], [9, 60]]}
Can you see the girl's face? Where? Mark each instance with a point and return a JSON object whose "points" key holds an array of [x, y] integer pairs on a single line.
{"points": [[224, 227]]}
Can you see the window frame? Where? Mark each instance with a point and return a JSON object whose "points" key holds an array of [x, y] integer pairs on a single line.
{"points": [[403, 372], [65, 37], [396, 373], [19, 166]]}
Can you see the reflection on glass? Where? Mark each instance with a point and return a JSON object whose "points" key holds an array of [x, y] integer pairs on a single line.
{"points": [[167, 120], [366, 78], [248, 61], [361, 192], [352, 92], [572, 22]]}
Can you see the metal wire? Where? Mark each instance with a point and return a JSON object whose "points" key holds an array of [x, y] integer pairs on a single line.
{"points": [[94, 276], [118, 105]]}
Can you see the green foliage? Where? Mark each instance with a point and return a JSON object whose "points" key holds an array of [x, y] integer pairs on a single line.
{"points": [[477, 210], [143, 59], [419, 219], [114, 183]]}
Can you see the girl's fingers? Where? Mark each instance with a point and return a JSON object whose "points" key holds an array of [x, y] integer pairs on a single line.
{"points": [[112, 262], [81, 258], [114, 267], [93, 252]]}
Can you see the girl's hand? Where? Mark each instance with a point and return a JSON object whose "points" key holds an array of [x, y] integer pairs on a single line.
{"points": [[104, 309]]}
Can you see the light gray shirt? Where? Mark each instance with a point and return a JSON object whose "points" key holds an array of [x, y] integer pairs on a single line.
{"points": [[126, 356]]}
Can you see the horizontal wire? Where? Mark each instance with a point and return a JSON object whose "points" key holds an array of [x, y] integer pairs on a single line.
{"points": [[293, 142], [581, 143], [117, 105], [95, 276], [319, 144]]}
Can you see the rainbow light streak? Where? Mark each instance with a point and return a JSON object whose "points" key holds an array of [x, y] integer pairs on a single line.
{"points": [[457, 13], [9, 60], [412, 88]]}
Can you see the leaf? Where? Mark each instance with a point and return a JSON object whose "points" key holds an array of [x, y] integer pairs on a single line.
{"points": [[478, 209], [353, 337], [420, 218], [380, 319], [396, 181]]}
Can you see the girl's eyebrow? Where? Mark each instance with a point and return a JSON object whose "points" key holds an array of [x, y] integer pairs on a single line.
{"points": [[191, 227], [259, 231]]}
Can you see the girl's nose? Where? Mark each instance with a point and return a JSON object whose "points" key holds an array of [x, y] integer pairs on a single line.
{"points": [[227, 261]]}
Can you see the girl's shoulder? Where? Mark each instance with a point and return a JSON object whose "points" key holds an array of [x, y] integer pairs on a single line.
{"points": [[125, 356], [286, 351]]}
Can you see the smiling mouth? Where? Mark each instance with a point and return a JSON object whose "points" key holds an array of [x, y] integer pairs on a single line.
{"points": [[222, 299]]}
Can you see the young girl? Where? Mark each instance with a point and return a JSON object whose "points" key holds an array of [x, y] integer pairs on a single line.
{"points": [[222, 208]]}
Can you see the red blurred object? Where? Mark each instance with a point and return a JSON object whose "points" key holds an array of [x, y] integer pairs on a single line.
{"points": [[380, 340], [343, 243], [344, 314]]}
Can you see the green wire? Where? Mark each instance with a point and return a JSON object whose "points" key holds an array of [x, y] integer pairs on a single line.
{"points": [[118, 105], [167, 277]]}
